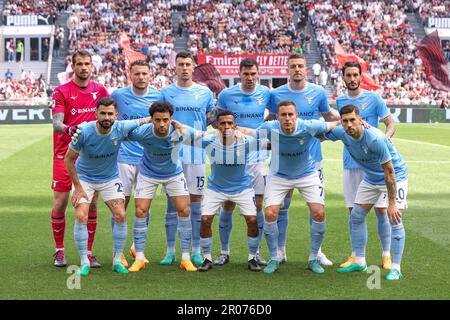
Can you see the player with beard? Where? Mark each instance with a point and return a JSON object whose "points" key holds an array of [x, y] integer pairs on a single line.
{"points": [[72, 104], [372, 109]]}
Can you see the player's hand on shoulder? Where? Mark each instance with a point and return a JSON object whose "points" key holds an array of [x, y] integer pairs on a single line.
{"points": [[365, 124]]}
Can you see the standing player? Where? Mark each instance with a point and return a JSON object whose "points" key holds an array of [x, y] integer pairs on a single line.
{"points": [[292, 166], [372, 109], [161, 165], [192, 105], [248, 101], [312, 103], [132, 103], [73, 103], [384, 185], [96, 171]]}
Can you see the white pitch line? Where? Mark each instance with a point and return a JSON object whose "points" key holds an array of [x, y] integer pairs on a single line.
{"points": [[421, 142]]}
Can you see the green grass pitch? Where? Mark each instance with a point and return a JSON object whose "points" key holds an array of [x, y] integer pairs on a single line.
{"points": [[26, 242]]}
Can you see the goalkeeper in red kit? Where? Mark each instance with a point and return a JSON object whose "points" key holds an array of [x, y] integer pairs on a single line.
{"points": [[72, 104]]}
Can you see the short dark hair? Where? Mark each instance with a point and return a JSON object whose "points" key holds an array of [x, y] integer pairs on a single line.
{"points": [[160, 106], [248, 63], [349, 109], [351, 64], [139, 63], [81, 53], [184, 55], [106, 101], [286, 103], [223, 113], [296, 56]]}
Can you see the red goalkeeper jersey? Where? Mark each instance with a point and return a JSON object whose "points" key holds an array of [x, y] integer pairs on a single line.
{"points": [[78, 105]]}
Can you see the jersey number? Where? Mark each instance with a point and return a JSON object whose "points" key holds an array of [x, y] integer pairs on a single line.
{"points": [[119, 187], [200, 182]]}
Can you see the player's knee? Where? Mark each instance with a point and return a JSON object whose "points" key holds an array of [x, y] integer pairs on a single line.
{"points": [[141, 212], [252, 226], [271, 214], [82, 217], [358, 214], [206, 222], [318, 214], [184, 212], [60, 205]]}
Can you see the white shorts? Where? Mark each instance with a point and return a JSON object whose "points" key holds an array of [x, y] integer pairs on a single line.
{"points": [[310, 187], [146, 187], [108, 190], [128, 175], [319, 167], [377, 194], [213, 201], [350, 182], [195, 177], [258, 172]]}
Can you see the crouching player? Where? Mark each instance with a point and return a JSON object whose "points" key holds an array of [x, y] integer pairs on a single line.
{"points": [[96, 170], [385, 185]]}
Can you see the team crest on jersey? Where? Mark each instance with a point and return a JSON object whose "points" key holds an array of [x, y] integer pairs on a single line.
{"points": [[260, 101], [94, 95], [365, 149], [115, 141], [309, 99], [197, 96], [363, 105], [301, 141]]}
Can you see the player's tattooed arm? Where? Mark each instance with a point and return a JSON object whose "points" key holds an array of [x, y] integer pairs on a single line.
{"points": [[332, 115], [78, 192], [144, 120], [390, 126], [58, 122], [391, 186]]}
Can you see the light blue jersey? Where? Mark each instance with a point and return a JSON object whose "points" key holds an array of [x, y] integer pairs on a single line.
{"points": [[310, 103], [371, 107], [190, 108], [131, 106], [228, 165], [161, 158], [291, 154], [370, 151], [97, 162], [249, 109]]}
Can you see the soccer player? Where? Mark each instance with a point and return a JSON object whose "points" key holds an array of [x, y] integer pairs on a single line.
{"points": [[229, 181], [312, 103], [133, 102], [372, 109], [192, 105], [384, 185], [248, 100], [161, 165], [72, 104], [292, 166], [96, 171]]}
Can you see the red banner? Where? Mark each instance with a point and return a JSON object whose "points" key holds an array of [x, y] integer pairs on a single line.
{"points": [[228, 65]]}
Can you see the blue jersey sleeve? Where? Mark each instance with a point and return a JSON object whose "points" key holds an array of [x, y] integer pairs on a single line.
{"points": [[335, 134], [221, 100], [210, 102], [78, 144], [138, 133], [315, 127], [382, 109], [273, 104], [263, 131], [324, 107], [381, 149], [127, 126]]}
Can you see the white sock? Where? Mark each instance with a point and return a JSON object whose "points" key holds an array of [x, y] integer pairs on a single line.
{"points": [[89, 253], [250, 257], [386, 254], [320, 251], [360, 261], [207, 256], [117, 258], [353, 254], [185, 256], [84, 259], [225, 252], [312, 257], [395, 266], [282, 249], [57, 249], [140, 256]]}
